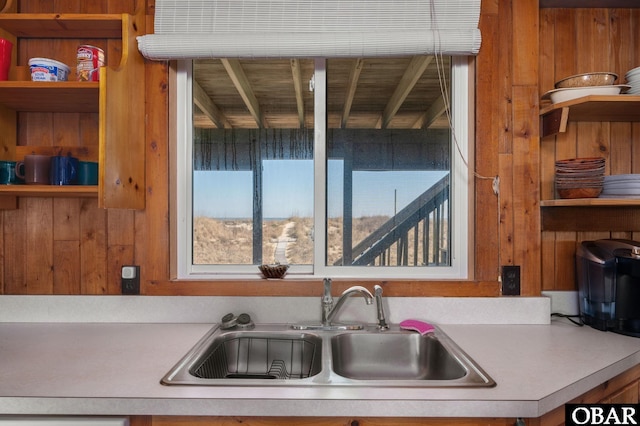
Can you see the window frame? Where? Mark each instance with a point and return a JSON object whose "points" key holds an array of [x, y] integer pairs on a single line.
{"points": [[461, 240]]}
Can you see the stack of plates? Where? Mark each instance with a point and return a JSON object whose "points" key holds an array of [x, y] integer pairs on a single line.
{"points": [[580, 177], [633, 80], [621, 186]]}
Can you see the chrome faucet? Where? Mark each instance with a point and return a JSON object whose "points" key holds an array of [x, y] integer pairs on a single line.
{"points": [[382, 320], [329, 310]]}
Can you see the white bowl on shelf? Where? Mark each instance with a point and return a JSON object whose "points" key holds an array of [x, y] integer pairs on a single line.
{"points": [[569, 93]]}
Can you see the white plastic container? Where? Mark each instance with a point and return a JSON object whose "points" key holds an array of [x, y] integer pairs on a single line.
{"points": [[44, 69]]}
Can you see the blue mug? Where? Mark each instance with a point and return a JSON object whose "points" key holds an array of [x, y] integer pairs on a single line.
{"points": [[63, 170]]}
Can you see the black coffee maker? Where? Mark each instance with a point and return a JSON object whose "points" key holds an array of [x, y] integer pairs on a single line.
{"points": [[608, 275]]}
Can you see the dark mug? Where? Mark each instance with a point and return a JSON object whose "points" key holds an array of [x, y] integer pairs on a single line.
{"points": [[34, 170], [8, 173], [87, 173], [63, 170]]}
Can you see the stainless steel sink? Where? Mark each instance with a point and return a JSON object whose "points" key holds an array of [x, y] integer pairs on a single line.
{"points": [[394, 356], [255, 355], [276, 355], [249, 357]]}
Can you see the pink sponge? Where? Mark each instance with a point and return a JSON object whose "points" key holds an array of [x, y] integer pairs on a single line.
{"points": [[416, 325]]}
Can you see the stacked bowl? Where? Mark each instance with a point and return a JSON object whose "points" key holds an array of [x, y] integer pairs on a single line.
{"points": [[580, 85], [579, 177], [633, 80]]}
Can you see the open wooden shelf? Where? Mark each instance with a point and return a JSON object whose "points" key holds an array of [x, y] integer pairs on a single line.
{"points": [[555, 117], [585, 202], [118, 100], [55, 96], [50, 190], [55, 25]]}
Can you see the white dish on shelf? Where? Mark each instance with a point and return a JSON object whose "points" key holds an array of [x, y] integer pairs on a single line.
{"points": [[569, 93], [624, 177], [621, 187], [632, 72]]}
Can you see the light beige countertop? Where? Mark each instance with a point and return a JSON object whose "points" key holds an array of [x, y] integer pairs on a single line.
{"points": [[103, 367], [115, 368]]}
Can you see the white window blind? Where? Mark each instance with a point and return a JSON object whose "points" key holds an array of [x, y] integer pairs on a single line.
{"points": [[194, 29]]}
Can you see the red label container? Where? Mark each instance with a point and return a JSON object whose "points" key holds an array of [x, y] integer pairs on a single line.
{"points": [[90, 59]]}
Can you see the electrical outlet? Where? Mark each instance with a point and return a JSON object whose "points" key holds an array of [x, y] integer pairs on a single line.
{"points": [[130, 279], [510, 280]]}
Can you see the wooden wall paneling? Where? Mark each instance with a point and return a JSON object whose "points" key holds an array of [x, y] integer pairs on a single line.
{"points": [[546, 80], [120, 227], [621, 41], [66, 246], [120, 246], [526, 144], [593, 140], [525, 42], [560, 28], [490, 7], [547, 258], [117, 255], [547, 145], [504, 78], [488, 76], [39, 244], [14, 248], [527, 188], [507, 231], [620, 147], [152, 225], [564, 265], [593, 39], [93, 248], [635, 148], [505, 129], [66, 267], [566, 45]]}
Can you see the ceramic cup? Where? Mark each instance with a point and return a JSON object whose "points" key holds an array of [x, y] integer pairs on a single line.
{"points": [[8, 173], [87, 173], [34, 170], [63, 170]]}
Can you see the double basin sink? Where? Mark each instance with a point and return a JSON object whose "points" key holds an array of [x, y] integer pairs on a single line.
{"points": [[276, 355]]}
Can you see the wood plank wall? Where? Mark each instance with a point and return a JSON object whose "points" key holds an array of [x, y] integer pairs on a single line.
{"points": [[574, 41], [69, 246], [64, 245]]}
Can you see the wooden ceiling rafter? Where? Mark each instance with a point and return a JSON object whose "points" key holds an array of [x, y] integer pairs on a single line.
{"points": [[242, 84], [367, 93], [432, 114], [350, 92], [412, 74], [296, 74], [208, 107]]}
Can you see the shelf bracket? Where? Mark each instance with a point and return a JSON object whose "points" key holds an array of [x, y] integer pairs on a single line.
{"points": [[555, 121]]}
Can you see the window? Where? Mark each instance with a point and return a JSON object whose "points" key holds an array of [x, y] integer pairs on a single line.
{"points": [[337, 167]]}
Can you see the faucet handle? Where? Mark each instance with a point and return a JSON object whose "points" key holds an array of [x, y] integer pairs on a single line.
{"points": [[377, 290], [326, 295], [382, 320]]}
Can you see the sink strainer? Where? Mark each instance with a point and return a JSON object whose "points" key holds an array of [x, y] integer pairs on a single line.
{"points": [[260, 357]]}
